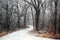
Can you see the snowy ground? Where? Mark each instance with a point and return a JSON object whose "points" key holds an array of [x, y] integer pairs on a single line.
{"points": [[23, 35]]}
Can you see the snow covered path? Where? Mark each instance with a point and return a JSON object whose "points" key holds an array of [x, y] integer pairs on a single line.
{"points": [[22, 35]]}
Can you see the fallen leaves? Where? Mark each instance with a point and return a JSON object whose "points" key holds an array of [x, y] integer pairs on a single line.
{"points": [[3, 33], [46, 35]]}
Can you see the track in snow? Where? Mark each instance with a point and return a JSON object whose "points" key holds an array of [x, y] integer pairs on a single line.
{"points": [[23, 35]]}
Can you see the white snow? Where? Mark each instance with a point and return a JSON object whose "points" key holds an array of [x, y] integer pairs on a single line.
{"points": [[22, 35]]}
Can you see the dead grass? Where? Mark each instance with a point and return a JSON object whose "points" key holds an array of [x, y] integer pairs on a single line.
{"points": [[3, 33], [46, 35]]}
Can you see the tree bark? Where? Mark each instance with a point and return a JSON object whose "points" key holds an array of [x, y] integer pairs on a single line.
{"points": [[37, 19], [25, 20], [32, 17], [7, 19], [55, 18]]}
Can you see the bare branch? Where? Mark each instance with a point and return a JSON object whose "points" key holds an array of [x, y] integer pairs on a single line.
{"points": [[39, 2], [30, 3], [35, 2]]}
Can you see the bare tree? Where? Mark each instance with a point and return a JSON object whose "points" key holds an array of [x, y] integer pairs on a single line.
{"points": [[33, 18], [25, 13], [36, 5], [55, 16], [18, 13]]}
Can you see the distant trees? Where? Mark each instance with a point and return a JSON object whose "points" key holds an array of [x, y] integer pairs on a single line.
{"points": [[36, 5], [46, 16], [5, 6], [12, 14]]}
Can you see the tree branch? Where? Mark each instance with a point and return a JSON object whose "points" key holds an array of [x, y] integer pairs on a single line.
{"points": [[35, 2], [30, 3], [39, 2]]}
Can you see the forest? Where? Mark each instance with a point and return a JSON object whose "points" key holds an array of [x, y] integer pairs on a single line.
{"points": [[43, 15]]}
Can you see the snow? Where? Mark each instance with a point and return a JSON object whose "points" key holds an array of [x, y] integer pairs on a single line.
{"points": [[22, 35]]}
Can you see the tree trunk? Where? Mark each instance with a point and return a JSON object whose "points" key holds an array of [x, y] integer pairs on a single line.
{"points": [[55, 18], [37, 20], [25, 19], [7, 19], [18, 15], [32, 17]]}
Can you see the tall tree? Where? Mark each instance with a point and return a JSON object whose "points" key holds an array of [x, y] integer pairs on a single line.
{"points": [[18, 15], [36, 5], [7, 18], [25, 13], [33, 17], [55, 16]]}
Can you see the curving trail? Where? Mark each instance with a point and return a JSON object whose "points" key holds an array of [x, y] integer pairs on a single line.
{"points": [[23, 35]]}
